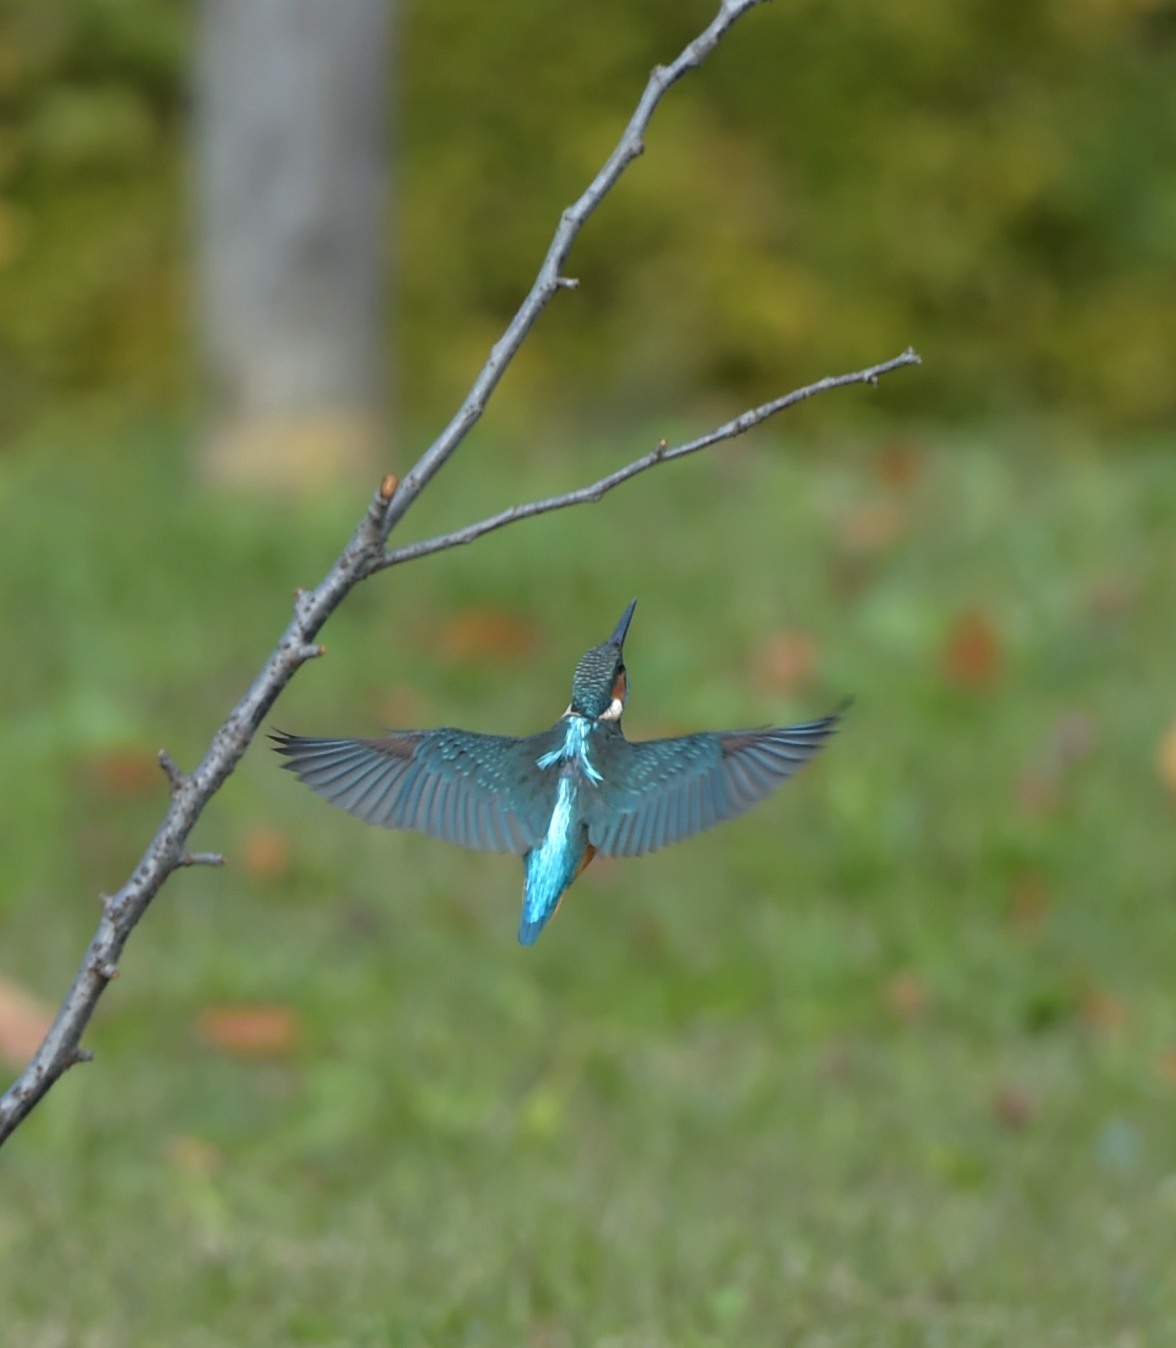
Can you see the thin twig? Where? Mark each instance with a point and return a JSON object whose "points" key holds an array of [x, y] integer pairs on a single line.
{"points": [[200, 859], [172, 771], [364, 555], [659, 454]]}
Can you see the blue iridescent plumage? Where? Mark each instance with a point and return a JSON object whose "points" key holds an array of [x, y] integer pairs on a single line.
{"points": [[562, 796]]}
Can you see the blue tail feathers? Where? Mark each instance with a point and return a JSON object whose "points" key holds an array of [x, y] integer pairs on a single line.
{"points": [[529, 929], [540, 900]]}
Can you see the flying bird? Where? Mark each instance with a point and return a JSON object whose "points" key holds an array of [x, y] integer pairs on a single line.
{"points": [[563, 796]]}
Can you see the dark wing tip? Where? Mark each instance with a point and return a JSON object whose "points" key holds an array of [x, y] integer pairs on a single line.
{"points": [[820, 728], [293, 749], [282, 742]]}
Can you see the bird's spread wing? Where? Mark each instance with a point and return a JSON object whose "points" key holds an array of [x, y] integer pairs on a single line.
{"points": [[456, 785], [672, 789]]}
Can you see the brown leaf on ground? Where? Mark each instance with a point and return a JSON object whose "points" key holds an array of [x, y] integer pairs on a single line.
{"points": [[24, 1022], [257, 1031], [972, 655], [1102, 1011], [1012, 1108], [898, 462], [127, 772], [787, 662], [1030, 901], [870, 527], [266, 854], [906, 995], [487, 634]]}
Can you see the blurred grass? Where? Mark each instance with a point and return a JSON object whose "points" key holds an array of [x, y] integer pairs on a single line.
{"points": [[892, 1061]]}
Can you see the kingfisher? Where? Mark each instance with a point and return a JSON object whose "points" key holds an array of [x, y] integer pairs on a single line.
{"points": [[563, 796]]}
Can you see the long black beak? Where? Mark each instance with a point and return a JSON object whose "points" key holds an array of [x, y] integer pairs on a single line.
{"points": [[618, 637]]}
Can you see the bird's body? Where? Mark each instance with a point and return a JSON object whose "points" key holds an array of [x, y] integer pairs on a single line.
{"points": [[559, 797], [565, 851]]}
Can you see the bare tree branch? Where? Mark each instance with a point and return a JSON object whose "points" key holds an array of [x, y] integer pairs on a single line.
{"points": [[661, 453], [364, 555]]}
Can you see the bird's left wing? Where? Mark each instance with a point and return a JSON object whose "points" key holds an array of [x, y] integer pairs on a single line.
{"points": [[672, 789], [457, 785]]}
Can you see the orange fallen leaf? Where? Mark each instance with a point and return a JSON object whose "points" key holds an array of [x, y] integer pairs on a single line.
{"points": [[1102, 1011], [972, 655], [266, 854], [870, 527], [487, 634], [787, 661], [898, 462], [24, 1022], [258, 1031], [127, 772], [906, 996]]}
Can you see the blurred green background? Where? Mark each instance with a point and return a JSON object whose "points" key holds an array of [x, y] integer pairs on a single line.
{"points": [[995, 182], [890, 1062]]}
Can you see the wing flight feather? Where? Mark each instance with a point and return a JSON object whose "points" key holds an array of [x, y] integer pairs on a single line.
{"points": [[478, 791], [672, 789]]}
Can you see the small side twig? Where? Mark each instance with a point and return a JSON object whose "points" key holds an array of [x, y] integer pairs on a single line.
{"points": [[200, 859], [172, 771]]}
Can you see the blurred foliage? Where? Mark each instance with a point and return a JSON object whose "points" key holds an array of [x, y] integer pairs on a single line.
{"points": [[890, 1062], [993, 182]]}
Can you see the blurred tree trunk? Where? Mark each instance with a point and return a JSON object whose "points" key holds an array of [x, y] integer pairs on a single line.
{"points": [[291, 164]]}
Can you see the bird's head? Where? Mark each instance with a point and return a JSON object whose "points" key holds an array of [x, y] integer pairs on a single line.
{"points": [[601, 683]]}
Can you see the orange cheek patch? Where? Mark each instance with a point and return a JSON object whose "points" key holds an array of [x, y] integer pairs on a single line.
{"points": [[621, 687]]}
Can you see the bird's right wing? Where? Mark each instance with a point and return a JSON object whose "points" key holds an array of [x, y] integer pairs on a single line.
{"points": [[675, 788], [456, 785]]}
